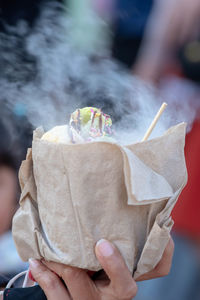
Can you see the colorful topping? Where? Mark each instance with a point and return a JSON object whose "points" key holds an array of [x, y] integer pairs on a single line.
{"points": [[90, 123]]}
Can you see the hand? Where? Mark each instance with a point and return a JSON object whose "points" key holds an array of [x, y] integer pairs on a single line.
{"points": [[164, 265], [170, 21], [118, 285], [168, 28]]}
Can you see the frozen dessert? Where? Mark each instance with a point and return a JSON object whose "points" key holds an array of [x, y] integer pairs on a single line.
{"points": [[86, 124]]}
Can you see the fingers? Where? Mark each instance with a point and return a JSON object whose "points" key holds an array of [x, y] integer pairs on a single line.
{"points": [[79, 284], [164, 265], [48, 281], [122, 283]]}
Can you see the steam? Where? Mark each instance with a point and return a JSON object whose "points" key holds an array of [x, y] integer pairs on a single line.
{"points": [[43, 72]]}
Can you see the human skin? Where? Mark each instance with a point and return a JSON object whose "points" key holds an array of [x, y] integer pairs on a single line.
{"points": [[119, 286], [171, 23], [8, 190]]}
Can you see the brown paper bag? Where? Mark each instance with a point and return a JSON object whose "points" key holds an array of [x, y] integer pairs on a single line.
{"points": [[74, 195]]}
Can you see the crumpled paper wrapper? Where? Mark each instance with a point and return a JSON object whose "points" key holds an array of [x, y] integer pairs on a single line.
{"points": [[74, 195]]}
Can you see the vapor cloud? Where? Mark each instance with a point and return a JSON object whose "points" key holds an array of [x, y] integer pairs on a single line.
{"points": [[43, 71]]}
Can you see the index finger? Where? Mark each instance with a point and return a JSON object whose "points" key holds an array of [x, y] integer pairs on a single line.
{"points": [[164, 265], [115, 268], [48, 281]]}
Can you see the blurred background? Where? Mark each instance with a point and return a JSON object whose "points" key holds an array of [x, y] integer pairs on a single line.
{"points": [[52, 52]]}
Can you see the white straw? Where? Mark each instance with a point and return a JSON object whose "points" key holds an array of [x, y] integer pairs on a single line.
{"points": [[154, 122]]}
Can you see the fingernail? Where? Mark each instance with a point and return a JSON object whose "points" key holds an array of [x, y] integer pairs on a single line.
{"points": [[104, 247], [31, 276], [33, 263]]}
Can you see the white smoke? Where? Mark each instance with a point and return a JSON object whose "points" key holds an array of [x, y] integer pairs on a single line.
{"points": [[42, 70]]}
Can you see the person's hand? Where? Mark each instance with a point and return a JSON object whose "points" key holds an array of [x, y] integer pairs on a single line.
{"points": [[164, 265], [176, 28], [170, 25], [118, 286]]}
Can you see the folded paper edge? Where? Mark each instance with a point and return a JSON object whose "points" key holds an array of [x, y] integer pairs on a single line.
{"points": [[132, 197], [157, 236], [38, 133], [162, 225], [180, 126]]}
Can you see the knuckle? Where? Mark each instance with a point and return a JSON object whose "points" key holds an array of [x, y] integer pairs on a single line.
{"points": [[70, 273], [131, 292], [50, 282], [128, 293], [162, 271]]}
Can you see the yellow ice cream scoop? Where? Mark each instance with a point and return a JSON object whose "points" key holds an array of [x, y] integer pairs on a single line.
{"points": [[58, 134]]}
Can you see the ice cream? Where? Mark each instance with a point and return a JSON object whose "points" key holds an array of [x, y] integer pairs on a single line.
{"points": [[58, 134], [91, 123], [86, 124]]}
